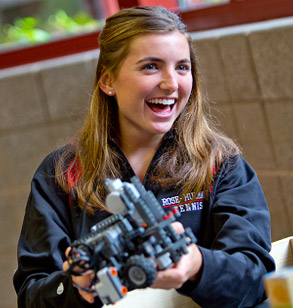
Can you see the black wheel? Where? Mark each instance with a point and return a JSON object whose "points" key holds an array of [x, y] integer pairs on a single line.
{"points": [[139, 272]]}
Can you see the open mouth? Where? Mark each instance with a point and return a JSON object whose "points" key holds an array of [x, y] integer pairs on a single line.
{"points": [[161, 105]]}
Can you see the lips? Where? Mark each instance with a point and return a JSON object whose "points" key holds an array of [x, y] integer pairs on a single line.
{"points": [[161, 105]]}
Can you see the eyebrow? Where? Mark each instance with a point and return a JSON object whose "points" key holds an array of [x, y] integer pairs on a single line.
{"points": [[154, 59]]}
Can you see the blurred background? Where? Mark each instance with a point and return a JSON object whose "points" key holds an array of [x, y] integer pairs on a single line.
{"points": [[48, 53]]}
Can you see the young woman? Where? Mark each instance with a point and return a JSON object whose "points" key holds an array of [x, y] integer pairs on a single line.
{"points": [[147, 118]]}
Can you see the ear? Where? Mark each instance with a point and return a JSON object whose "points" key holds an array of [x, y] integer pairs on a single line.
{"points": [[106, 84]]}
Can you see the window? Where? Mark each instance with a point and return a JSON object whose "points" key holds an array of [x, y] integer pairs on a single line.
{"points": [[38, 21]]}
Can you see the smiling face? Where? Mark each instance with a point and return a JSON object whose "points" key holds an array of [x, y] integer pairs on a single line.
{"points": [[153, 84]]}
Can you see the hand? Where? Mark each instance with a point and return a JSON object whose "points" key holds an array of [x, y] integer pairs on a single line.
{"points": [[188, 268], [83, 281]]}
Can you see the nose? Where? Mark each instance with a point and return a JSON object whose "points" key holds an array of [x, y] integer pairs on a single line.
{"points": [[169, 82]]}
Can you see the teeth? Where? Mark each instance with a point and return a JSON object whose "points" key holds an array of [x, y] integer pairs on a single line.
{"points": [[162, 101]]}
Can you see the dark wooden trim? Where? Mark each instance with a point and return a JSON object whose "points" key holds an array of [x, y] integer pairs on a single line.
{"points": [[128, 3], [54, 49], [170, 4], [233, 13]]}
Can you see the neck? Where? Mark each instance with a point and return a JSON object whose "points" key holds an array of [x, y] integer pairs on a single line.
{"points": [[140, 151]]}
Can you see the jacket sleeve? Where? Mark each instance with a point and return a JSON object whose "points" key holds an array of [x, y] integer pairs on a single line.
{"points": [[46, 233], [237, 254]]}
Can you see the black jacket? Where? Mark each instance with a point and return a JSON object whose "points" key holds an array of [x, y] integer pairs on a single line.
{"points": [[232, 228]]}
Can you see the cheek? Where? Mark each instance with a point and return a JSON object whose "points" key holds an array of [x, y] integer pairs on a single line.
{"points": [[186, 91], [136, 89], [189, 84], [185, 84], [144, 86]]}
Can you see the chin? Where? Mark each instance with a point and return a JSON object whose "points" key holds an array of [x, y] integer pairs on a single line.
{"points": [[162, 130]]}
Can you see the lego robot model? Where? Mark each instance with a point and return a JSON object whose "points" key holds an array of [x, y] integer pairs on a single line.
{"points": [[127, 249]]}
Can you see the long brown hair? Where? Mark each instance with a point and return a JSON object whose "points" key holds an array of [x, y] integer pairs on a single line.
{"points": [[197, 148]]}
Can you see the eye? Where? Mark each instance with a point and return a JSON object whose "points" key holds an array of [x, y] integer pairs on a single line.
{"points": [[150, 67], [183, 67]]}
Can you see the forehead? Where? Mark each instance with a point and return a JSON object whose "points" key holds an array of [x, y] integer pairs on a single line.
{"points": [[160, 44]]}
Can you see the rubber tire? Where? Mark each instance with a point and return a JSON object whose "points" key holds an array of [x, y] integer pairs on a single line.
{"points": [[139, 272]]}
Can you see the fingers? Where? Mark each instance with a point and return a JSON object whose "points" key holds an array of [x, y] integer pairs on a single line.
{"points": [[186, 269], [67, 251], [175, 276], [178, 227], [172, 278], [74, 262], [85, 282], [65, 266], [87, 296]]}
